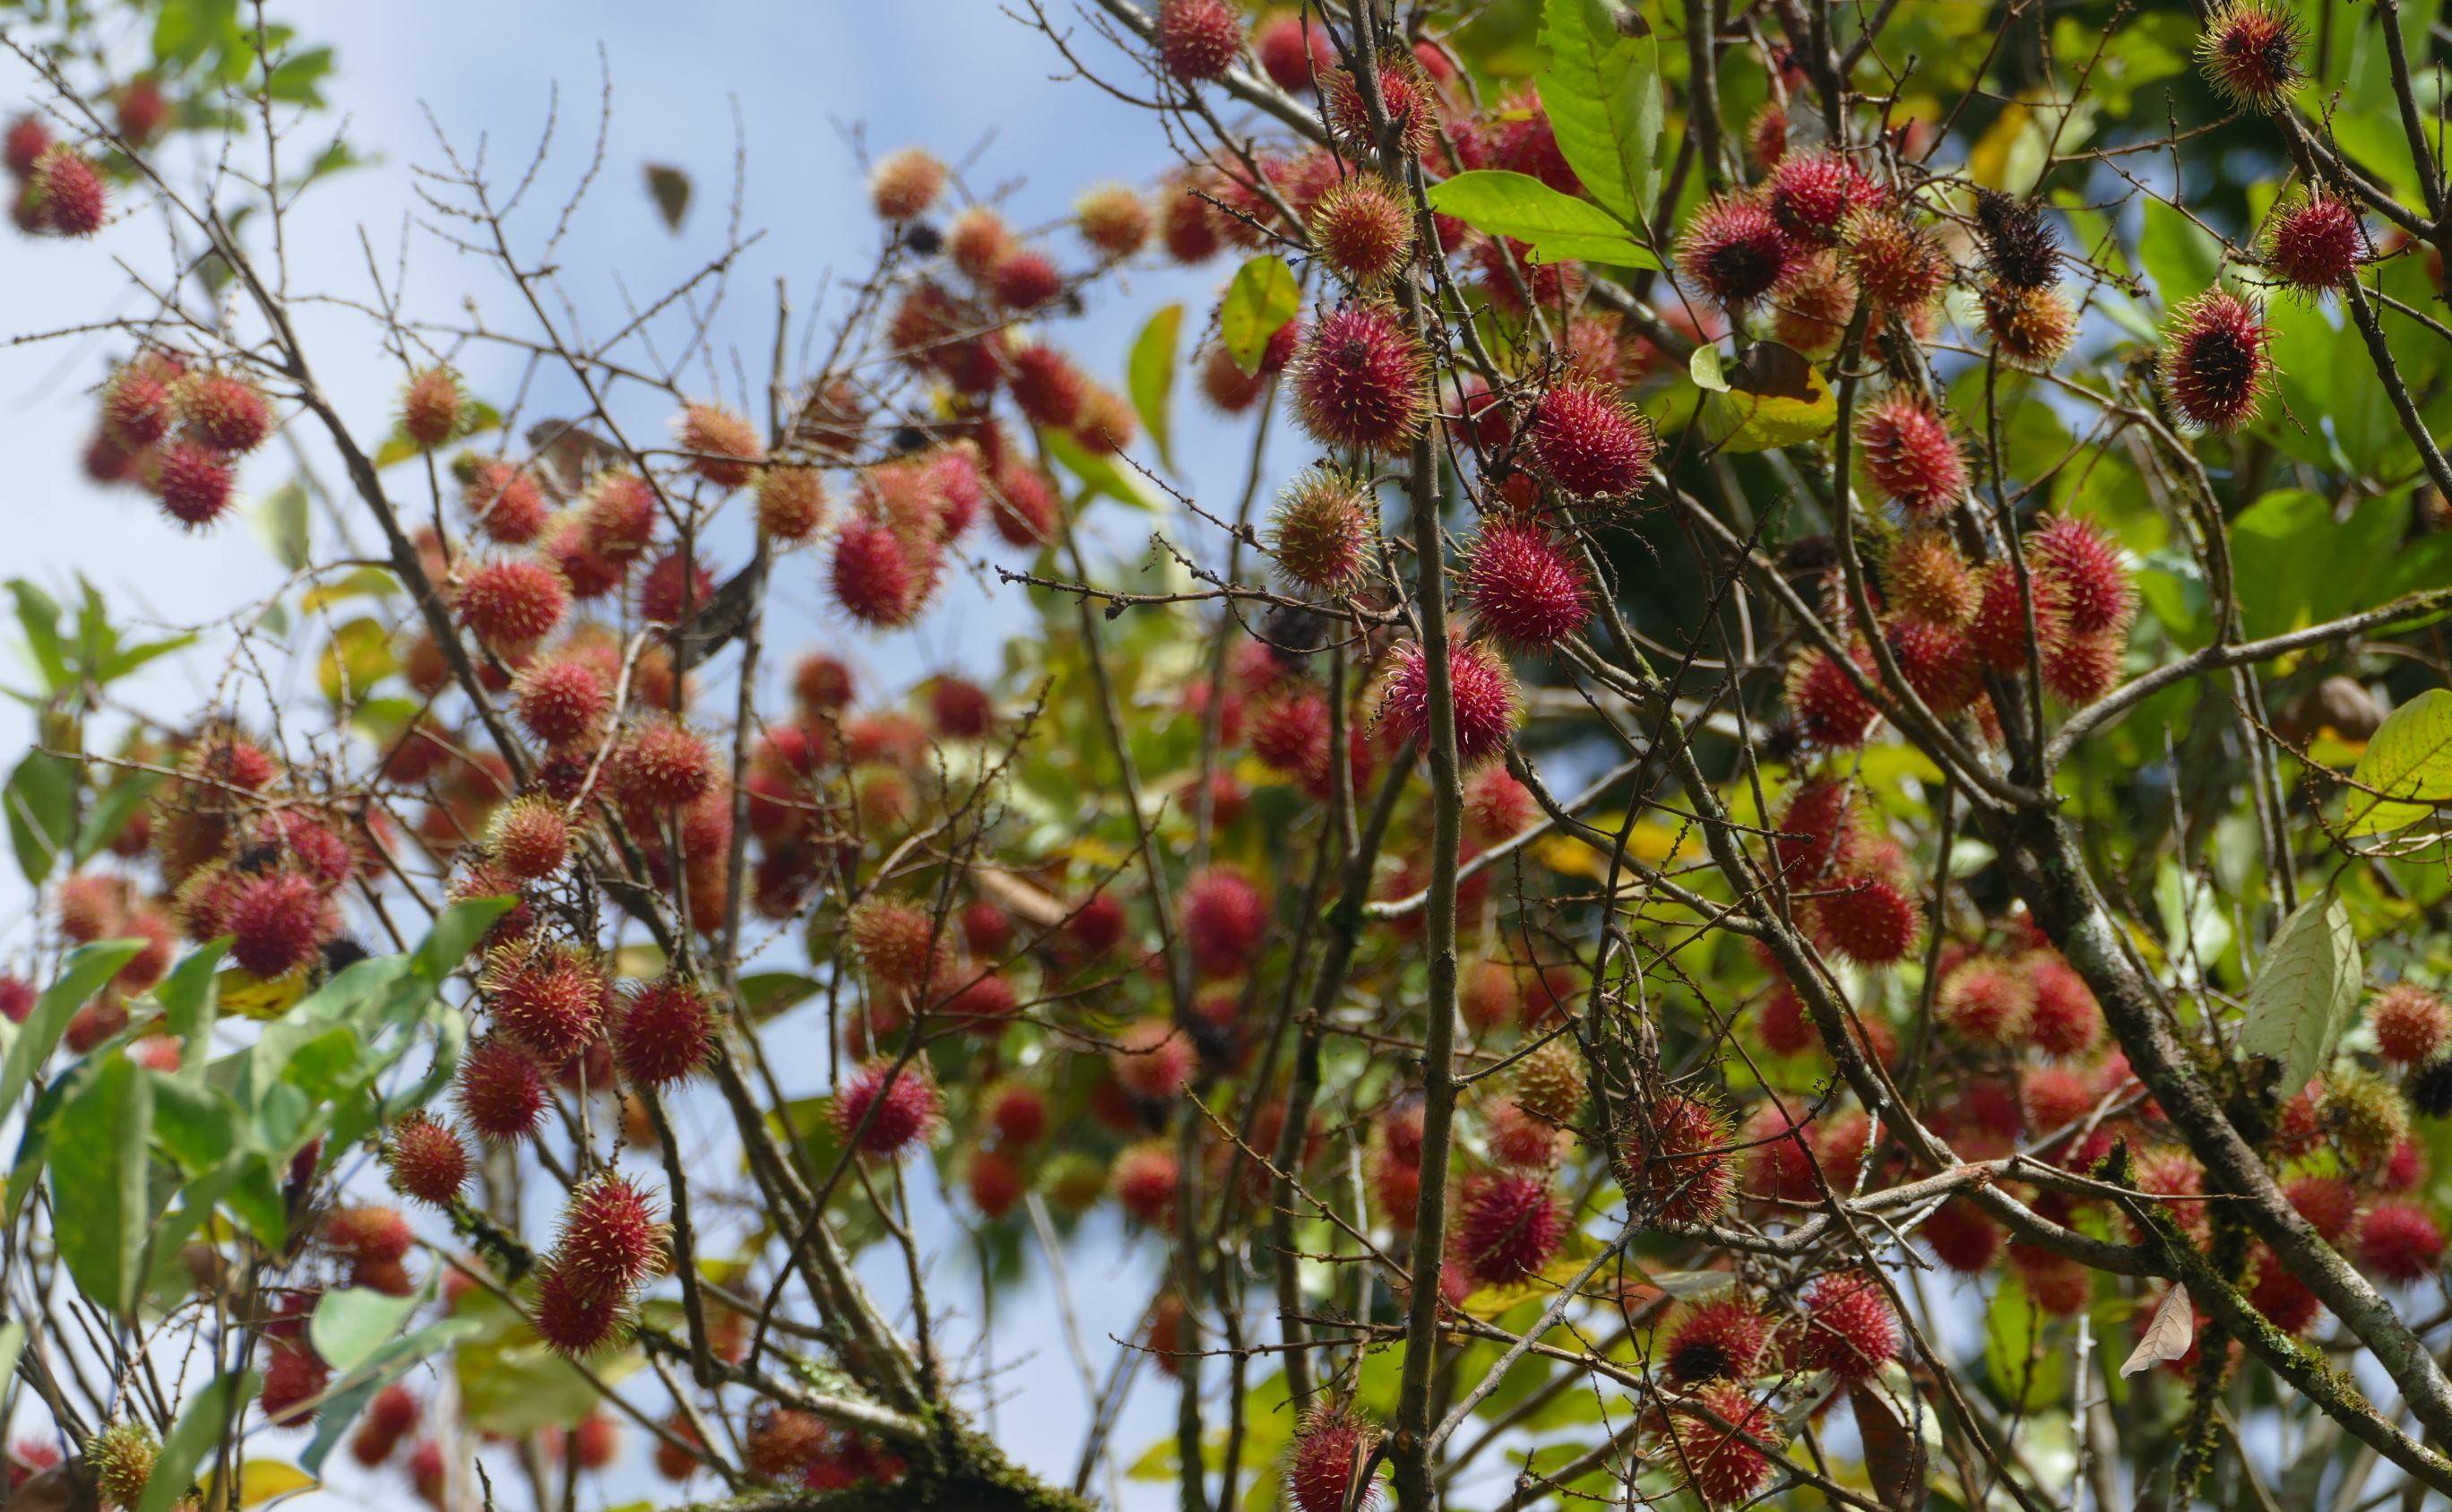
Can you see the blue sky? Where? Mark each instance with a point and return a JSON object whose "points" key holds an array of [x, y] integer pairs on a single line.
{"points": [[953, 74]]}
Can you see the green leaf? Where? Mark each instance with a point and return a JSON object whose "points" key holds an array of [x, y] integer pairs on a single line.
{"points": [[354, 1323], [387, 1366], [41, 798], [203, 1423], [111, 811], [2304, 993], [1774, 398], [2409, 757], [1602, 91], [280, 520], [510, 1384], [2026, 1375], [38, 615], [1259, 302], [1149, 376], [1557, 227], [1704, 367], [81, 976], [764, 994], [101, 1166], [2182, 259], [1102, 475]]}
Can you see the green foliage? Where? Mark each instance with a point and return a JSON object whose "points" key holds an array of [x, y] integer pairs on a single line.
{"points": [[2305, 992], [1557, 227], [1259, 303]]}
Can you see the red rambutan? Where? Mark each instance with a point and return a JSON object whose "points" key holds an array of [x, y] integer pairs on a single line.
{"points": [[1321, 531], [2066, 1021], [1324, 1465], [560, 701], [895, 941], [1507, 1226], [879, 578], [618, 517], [1987, 1000], [1360, 380], [1363, 231], [1719, 1463], [2411, 1022], [1025, 278], [1591, 445], [434, 410], [2093, 588], [574, 1321], [1483, 692], [1721, 1340], [1963, 1236], [1152, 1059], [1114, 219], [278, 922], [1831, 709], [1675, 1161], [2400, 1242], [192, 482], [1810, 194], [1294, 52], [2315, 244], [2250, 52], [223, 411], [1198, 39], [1849, 1330], [1868, 915], [68, 194], [663, 764], [905, 1107], [512, 602], [1144, 1181], [1735, 253], [501, 1091], [1911, 455], [549, 997], [425, 1160], [2217, 361], [1224, 920], [611, 1239]]}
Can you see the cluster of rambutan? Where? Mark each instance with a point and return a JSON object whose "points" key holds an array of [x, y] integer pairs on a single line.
{"points": [[177, 428], [792, 1448], [59, 190]]}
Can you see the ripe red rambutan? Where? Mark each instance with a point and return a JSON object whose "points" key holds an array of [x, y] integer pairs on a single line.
{"points": [[528, 838], [2080, 669], [1363, 231], [294, 1375], [1407, 95], [879, 578], [1720, 1466], [1868, 915], [906, 1103], [1152, 1059], [995, 1183], [222, 411], [2400, 1242], [1360, 379], [2330, 1204], [192, 482], [366, 1232], [1675, 1161], [1507, 1226], [278, 922], [1022, 505], [1198, 39], [425, 1160], [1114, 219], [663, 764], [501, 1091], [675, 588], [2031, 326], [1911, 455], [724, 447], [976, 240], [573, 1320], [1025, 278], [906, 184], [618, 517], [1988, 1001], [136, 406], [2315, 244], [1019, 1113], [2411, 1022], [1330, 1447], [1591, 445], [2404, 1168], [1497, 807], [1938, 661], [2286, 1302], [1720, 1340], [1144, 1182], [959, 708], [1735, 252], [2066, 1021], [2217, 361], [1849, 1330], [23, 144], [69, 192], [1519, 1138], [1321, 531], [1810, 194], [1999, 627], [549, 997], [1831, 709], [1483, 692], [2250, 52], [791, 503], [1815, 830], [2093, 586], [1224, 920], [512, 602], [1293, 52], [562, 700], [2055, 1097], [980, 1000], [503, 501], [1290, 732], [434, 410], [611, 1239], [1893, 261], [664, 1032], [895, 941], [1963, 1236]]}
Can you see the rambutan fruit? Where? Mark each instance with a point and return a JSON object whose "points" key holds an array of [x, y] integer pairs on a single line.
{"points": [[1963, 1236], [1735, 253], [791, 503], [2055, 1097], [1361, 379], [2315, 244], [192, 482], [995, 1183], [982, 1002], [1152, 1059], [1024, 279], [1224, 920], [294, 1375], [573, 1320], [611, 1239], [1406, 94], [664, 1032], [23, 145], [512, 602], [1999, 627], [1323, 528], [366, 1233], [560, 701], [1294, 52], [722, 447], [1144, 1182], [2217, 361], [1938, 661], [2412, 1025], [1849, 1328], [1987, 999], [906, 1103], [1867, 914], [2020, 249], [1549, 1082], [1815, 829], [906, 184], [2093, 585], [224, 411], [434, 409], [1591, 445], [1674, 1160], [1810, 194], [2250, 52], [120, 1458], [1114, 219], [1517, 1138], [878, 577], [1019, 1113], [663, 764], [425, 1160], [136, 405], [895, 941], [1831, 709], [1483, 692], [977, 239], [502, 500], [1911, 455], [1720, 1340], [2330, 1204], [68, 194], [1187, 222], [675, 588], [2080, 669], [1719, 1464], [1324, 1467], [2067, 1022], [528, 838], [2365, 1113], [277, 922], [1497, 807], [1290, 732], [1893, 261], [2031, 327], [2400, 1242], [1363, 231], [1022, 505], [1507, 1226], [1198, 39], [501, 1091], [618, 516], [549, 997]]}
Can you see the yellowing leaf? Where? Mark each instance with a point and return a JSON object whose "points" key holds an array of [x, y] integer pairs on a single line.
{"points": [[358, 656], [1776, 398], [2409, 757], [262, 1481], [249, 996]]}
